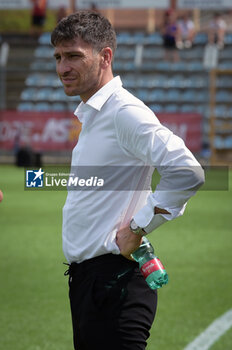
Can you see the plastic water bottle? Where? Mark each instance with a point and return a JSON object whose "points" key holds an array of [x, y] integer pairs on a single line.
{"points": [[150, 266]]}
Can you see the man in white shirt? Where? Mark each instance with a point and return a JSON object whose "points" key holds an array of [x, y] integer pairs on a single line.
{"points": [[112, 306]]}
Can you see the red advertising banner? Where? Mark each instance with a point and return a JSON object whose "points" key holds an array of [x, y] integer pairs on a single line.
{"points": [[54, 131], [42, 131]]}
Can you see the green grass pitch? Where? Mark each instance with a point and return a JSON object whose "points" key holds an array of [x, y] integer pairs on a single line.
{"points": [[195, 249]]}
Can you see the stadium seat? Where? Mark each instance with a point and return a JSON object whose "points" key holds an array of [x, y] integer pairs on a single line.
{"points": [[225, 65], [58, 95], [34, 79], [45, 39], [125, 53], [43, 94], [156, 108], [163, 66], [224, 81], [226, 53], [228, 142], [125, 38], [153, 53], [59, 107], [173, 95], [143, 94], [220, 111], [28, 94], [188, 96], [157, 95], [42, 107], [200, 39], [187, 108], [42, 65], [25, 106], [44, 52], [176, 81], [153, 39], [172, 108], [223, 96], [228, 39], [195, 66], [178, 66]]}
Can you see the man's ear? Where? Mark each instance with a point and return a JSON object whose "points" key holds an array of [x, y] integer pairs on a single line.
{"points": [[107, 56]]}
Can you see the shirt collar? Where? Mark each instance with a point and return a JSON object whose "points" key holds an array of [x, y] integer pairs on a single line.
{"points": [[99, 98]]}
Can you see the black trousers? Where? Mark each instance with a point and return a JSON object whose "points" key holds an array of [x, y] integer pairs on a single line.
{"points": [[111, 304]]}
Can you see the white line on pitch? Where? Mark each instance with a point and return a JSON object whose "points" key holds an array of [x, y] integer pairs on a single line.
{"points": [[212, 333]]}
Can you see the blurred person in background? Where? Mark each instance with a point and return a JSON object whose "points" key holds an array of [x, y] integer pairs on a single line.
{"points": [[170, 32], [61, 13], [216, 31], [38, 16], [112, 306], [186, 32]]}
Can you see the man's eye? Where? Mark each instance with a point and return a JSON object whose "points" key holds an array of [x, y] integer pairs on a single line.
{"points": [[74, 55]]}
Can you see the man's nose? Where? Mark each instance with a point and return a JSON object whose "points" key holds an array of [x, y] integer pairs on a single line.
{"points": [[63, 67]]}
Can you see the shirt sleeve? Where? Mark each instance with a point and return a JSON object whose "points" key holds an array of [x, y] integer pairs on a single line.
{"points": [[141, 134]]}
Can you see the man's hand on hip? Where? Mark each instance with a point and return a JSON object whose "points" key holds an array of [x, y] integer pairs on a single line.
{"points": [[127, 241]]}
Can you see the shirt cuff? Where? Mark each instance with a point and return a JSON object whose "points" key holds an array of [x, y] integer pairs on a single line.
{"points": [[149, 221]]}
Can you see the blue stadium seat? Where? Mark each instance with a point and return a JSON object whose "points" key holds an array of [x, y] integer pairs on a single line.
{"points": [[220, 111], [172, 108], [125, 53], [200, 39], [188, 96], [25, 106], [153, 53], [42, 107], [224, 81], [225, 65], [153, 39], [173, 95], [226, 53], [228, 39], [125, 38], [228, 142], [157, 95], [176, 81], [143, 94], [163, 66], [45, 39], [195, 66], [28, 94], [58, 95], [43, 94], [187, 108], [44, 52], [129, 81], [59, 107], [178, 66], [156, 108], [229, 113], [42, 65], [223, 96], [34, 79], [201, 96], [72, 106]]}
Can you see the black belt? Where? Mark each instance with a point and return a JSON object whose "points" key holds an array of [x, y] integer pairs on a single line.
{"points": [[109, 262]]}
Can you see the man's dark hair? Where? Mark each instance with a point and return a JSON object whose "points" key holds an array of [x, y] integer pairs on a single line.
{"points": [[90, 26]]}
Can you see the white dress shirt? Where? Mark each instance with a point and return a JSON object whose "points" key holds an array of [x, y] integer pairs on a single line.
{"points": [[119, 131]]}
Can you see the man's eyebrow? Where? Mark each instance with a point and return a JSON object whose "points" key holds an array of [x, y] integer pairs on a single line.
{"points": [[71, 52]]}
